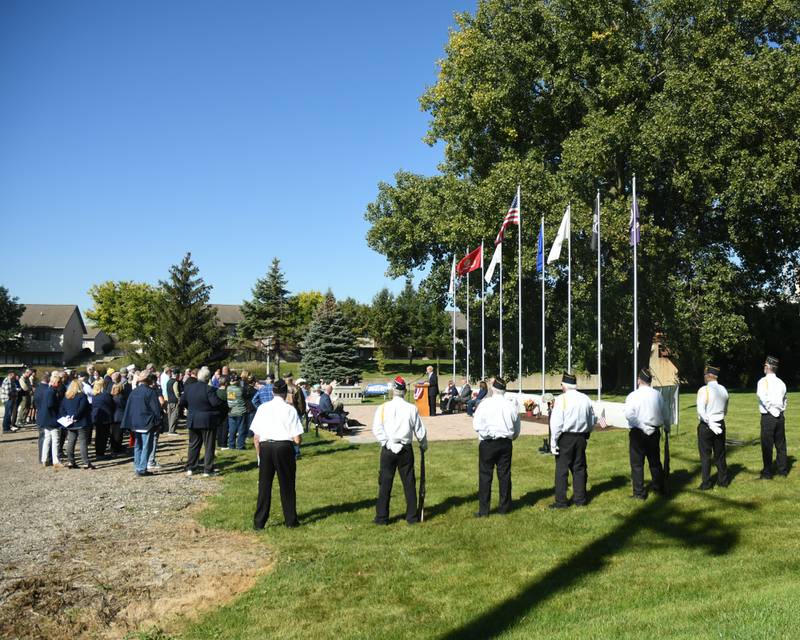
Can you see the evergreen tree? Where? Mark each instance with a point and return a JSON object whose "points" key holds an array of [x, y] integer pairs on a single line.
{"points": [[10, 329], [269, 313], [186, 329], [329, 350]]}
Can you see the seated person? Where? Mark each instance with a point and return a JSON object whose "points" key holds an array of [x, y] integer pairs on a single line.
{"points": [[464, 396], [326, 406], [474, 402], [448, 397]]}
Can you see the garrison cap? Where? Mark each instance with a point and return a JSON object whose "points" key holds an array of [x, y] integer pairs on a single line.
{"points": [[569, 378]]}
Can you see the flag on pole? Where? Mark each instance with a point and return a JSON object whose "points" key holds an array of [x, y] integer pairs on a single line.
{"points": [[596, 224], [540, 250], [555, 250], [470, 262], [452, 290], [497, 257], [634, 222], [512, 217]]}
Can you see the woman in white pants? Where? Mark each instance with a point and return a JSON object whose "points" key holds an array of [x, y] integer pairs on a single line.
{"points": [[47, 418]]}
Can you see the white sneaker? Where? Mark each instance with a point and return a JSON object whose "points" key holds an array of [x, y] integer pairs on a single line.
{"points": [[189, 473]]}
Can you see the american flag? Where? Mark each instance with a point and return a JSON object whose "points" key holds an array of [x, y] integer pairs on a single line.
{"points": [[512, 217]]}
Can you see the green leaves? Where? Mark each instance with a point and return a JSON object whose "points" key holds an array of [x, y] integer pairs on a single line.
{"points": [[10, 313]]}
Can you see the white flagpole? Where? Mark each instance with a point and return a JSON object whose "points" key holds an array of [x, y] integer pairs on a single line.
{"points": [[501, 312], [519, 289], [467, 321], [569, 288], [634, 221], [454, 333], [544, 266], [599, 308], [483, 321]]}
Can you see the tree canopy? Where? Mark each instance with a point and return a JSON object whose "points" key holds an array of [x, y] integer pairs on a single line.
{"points": [[125, 309], [10, 329], [329, 350], [699, 100]]}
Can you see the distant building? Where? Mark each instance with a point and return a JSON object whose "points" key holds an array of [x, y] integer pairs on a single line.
{"points": [[52, 334], [229, 316], [97, 341]]}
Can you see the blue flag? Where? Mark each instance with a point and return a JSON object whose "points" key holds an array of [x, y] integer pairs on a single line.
{"points": [[540, 250]]}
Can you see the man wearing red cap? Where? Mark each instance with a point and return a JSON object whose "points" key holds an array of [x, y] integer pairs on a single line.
{"points": [[395, 425]]}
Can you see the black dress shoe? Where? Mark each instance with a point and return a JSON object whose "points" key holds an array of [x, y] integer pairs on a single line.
{"points": [[481, 515], [381, 523], [294, 525], [257, 528], [705, 487], [638, 497], [558, 505], [724, 485], [764, 476]]}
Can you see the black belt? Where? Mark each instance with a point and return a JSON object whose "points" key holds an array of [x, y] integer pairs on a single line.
{"points": [[286, 441]]}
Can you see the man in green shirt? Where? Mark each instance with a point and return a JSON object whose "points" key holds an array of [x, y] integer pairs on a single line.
{"points": [[236, 413]]}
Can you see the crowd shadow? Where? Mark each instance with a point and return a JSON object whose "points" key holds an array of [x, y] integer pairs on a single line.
{"points": [[695, 529], [435, 510], [321, 513]]}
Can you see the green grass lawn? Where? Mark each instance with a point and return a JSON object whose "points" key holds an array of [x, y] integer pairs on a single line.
{"points": [[718, 564]]}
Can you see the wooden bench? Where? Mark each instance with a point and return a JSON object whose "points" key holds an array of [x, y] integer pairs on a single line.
{"points": [[334, 423]]}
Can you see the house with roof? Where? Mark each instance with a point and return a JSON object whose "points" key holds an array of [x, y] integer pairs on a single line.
{"points": [[97, 341], [52, 334]]}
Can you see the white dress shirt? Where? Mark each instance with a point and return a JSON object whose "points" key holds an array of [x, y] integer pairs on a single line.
{"points": [[771, 392], [497, 417], [712, 405], [644, 409], [396, 422], [572, 413], [276, 420]]}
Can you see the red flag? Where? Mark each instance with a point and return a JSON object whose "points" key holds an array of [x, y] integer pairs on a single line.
{"points": [[470, 262]]}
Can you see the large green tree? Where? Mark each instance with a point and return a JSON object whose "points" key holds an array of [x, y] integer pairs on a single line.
{"points": [[329, 350], [10, 329], [186, 331], [268, 315], [125, 309], [700, 100]]}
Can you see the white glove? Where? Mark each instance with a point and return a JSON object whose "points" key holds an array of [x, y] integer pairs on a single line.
{"points": [[554, 449], [715, 428], [394, 447]]}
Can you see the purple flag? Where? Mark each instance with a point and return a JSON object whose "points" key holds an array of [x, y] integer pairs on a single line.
{"points": [[634, 222]]}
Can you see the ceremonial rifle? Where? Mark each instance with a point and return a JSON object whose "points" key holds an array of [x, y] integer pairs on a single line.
{"points": [[421, 499], [666, 463]]}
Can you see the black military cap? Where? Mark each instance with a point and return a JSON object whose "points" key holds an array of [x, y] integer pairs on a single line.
{"points": [[772, 361], [569, 378], [645, 375], [499, 383], [280, 387], [711, 370]]}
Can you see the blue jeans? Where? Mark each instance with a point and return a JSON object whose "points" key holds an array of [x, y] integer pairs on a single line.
{"points": [[142, 447], [151, 460], [236, 425], [9, 407]]}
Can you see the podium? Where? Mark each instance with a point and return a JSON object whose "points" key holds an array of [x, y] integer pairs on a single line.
{"points": [[421, 399]]}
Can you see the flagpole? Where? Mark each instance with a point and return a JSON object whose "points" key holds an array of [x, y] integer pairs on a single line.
{"points": [[501, 312], [454, 333], [569, 288], [634, 222], [519, 290], [543, 269], [467, 373], [599, 308], [483, 321]]}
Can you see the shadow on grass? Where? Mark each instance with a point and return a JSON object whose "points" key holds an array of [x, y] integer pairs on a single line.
{"points": [[694, 528], [320, 513], [435, 510]]}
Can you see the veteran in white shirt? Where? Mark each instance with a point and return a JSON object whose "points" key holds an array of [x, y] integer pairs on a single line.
{"points": [[277, 433], [771, 392], [497, 424], [395, 425], [712, 406], [646, 416]]}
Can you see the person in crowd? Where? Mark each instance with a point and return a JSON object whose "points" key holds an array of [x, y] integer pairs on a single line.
{"points": [[47, 403], [222, 427], [102, 417], [327, 409], [8, 396], [86, 385], [497, 424], [108, 381], [264, 393], [712, 405], [464, 395], [771, 393], [314, 395], [37, 399], [237, 411], [119, 398], [472, 403], [205, 409], [142, 417], [433, 389], [163, 380], [571, 424], [449, 396], [277, 434], [172, 395], [75, 414], [304, 387], [294, 395], [152, 463], [215, 378], [24, 397], [31, 417], [395, 424], [646, 416]]}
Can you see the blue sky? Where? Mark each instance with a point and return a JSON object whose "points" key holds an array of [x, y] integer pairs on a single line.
{"points": [[133, 132]]}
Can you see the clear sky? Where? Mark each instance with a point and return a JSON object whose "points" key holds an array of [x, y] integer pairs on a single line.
{"points": [[131, 132]]}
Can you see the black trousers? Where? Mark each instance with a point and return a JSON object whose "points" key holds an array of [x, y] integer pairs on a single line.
{"points": [[491, 454], [432, 401], [404, 463], [276, 457], [773, 434], [222, 433], [101, 439], [116, 438], [710, 444], [201, 438], [642, 446], [571, 457]]}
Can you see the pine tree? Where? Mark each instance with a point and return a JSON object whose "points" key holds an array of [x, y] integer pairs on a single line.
{"points": [[329, 350], [186, 329], [268, 314]]}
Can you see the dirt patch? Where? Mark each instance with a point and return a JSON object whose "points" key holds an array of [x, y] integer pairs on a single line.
{"points": [[97, 554]]}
